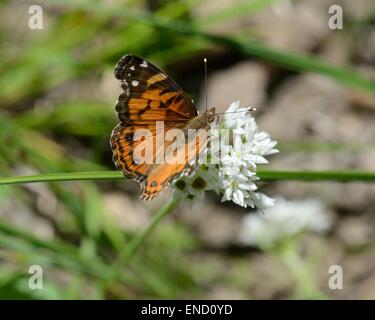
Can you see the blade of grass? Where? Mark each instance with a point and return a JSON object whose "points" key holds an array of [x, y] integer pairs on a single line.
{"points": [[236, 10], [314, 146], [71, 176], [293, 61], [131, 248], [267, 175], [62, 254], [339, 176], [297, 62]]}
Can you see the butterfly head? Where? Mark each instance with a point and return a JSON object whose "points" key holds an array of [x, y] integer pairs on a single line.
{"points": [[211, 115]]}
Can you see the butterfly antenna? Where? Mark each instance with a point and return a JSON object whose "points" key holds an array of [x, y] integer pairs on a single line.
{"points": [[205, 81], [245, 110]]}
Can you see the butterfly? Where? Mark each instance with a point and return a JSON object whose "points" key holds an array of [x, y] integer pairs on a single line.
{"points": [[148, 96]]}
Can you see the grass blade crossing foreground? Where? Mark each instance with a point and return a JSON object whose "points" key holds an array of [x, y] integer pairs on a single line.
{"points": [[65, 255], [338, 176], [68, 176], [266, 175], [293, 61], [131, 248]]}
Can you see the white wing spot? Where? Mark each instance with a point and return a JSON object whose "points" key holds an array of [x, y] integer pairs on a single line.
{"points": [[144, 64], [135, 83], [132, 68]]}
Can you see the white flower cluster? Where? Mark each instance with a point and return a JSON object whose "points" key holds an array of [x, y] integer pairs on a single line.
{"points": [[236, 148], [239, 158], [286, 219]]}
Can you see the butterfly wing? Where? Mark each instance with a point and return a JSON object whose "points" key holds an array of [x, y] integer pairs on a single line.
{"points": [[162, 175], [124, 147], [148, 95]]}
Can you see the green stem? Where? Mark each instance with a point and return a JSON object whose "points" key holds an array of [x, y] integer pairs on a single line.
{"points": [[266, 175], [339, 176], [132, 247], [306, 287], [64, 176]]}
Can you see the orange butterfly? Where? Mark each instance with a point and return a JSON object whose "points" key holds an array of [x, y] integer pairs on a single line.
{"points": [[149, 96]]}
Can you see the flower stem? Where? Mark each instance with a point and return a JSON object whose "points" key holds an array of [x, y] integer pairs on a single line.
{"points": [[135, 243], [339, 176], [63, 176], [267, 175], [306, 287]]}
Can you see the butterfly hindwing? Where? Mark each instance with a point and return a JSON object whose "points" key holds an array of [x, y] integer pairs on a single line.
{"points": [[161, 176], [124, 147]]}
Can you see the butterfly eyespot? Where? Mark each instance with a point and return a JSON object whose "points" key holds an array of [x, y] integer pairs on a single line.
{"points": [[154, 184], [199, 183], [180, 184]]}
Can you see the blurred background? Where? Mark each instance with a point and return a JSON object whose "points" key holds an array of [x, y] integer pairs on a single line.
{"points": [[57, 96]]}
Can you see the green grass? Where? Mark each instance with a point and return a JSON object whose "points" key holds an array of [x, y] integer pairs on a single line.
{"points": [[247, 47]]}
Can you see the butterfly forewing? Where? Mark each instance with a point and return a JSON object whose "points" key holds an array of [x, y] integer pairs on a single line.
{"points": [[149, 94]]}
